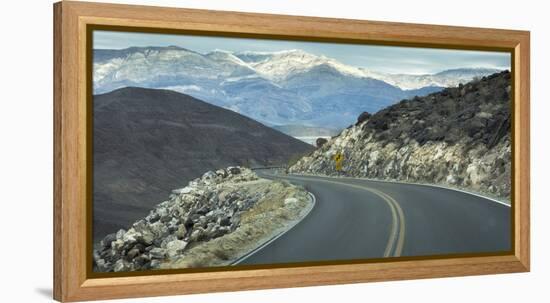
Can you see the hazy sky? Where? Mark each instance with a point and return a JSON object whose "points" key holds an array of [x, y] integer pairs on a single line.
{"points": [[389, 59]]}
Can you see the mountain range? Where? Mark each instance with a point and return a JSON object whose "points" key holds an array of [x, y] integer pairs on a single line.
{"points": [[290, 87], [148, 142]]}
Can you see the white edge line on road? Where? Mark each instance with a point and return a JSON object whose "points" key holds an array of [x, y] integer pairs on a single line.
{"points": [[411, 183], [438, 186], [464, 191], [277, 236]]}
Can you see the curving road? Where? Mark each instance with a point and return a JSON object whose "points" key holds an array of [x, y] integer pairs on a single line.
{"points": [[362, 219]]}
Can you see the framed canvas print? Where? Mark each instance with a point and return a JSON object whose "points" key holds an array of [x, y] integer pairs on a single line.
{"points": [[201, 151]]}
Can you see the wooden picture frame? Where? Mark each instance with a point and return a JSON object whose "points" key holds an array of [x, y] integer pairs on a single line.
{"points": [[72, 281]]}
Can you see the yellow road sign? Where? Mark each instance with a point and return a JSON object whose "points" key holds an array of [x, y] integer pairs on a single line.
{"points": [[338, 159]]}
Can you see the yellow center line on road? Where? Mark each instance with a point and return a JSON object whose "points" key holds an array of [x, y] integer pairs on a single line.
{"points": [[401, 239], [397, 233]]}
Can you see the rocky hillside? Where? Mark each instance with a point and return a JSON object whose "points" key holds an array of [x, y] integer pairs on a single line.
{"points": [[213, 221], [148, 142], [458, 137]]}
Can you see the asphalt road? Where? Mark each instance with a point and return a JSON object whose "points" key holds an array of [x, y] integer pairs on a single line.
{"points": [[362, 219]]}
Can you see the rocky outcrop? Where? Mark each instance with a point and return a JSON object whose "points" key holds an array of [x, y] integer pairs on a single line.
{"points": [[320, 142], [362, 118], [458, 137], [210, 207]]}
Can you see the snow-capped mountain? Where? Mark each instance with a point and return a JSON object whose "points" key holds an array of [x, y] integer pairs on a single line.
{"points": [[277, 66], [275, 88], [447, 78]]}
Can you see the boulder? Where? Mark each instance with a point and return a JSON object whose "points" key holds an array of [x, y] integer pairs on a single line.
{"points": [[141, 260], [159, 230], [165, 219], [291, 201], [209, 175], [154, 263], [221, 173], [183, 191], [225, 221], [203, 210], [147, 237], [120, 233], [162, 211], [157, 253], [167, 239], [140, 225], [222, 196], [121, 265], [196, 235], [218, 231], [320, 142], [117, 245], [175, 248], [234, 170], [131, 236], [140, 247], [153, 217], [106, 242], [134, 252], [181, 231]]}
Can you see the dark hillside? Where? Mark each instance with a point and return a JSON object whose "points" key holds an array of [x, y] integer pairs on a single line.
{"points": [[148, 142]]}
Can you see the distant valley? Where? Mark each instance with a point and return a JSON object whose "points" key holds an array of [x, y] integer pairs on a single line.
{"points": [[308, 134]]}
